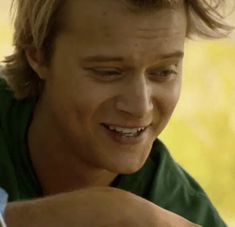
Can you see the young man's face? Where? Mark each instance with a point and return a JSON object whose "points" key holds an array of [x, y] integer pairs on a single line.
{"points": [[114, 81]]}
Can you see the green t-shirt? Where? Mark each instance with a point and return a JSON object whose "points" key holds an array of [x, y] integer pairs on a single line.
{"points": [[161, 180]]}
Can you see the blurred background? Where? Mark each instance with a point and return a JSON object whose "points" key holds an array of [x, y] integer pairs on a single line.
{"points": [[201, 135]]}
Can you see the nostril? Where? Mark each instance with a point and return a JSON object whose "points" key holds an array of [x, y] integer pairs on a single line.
{"points": [[135, 107]]}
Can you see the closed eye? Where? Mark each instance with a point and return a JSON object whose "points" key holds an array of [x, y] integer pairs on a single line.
{"points": [[105, 72], [164, 74]]}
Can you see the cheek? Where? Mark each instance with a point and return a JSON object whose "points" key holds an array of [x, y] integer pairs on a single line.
{"points": [[168, 98], [87, 103]]}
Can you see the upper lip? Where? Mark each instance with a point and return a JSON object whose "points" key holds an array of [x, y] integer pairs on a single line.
{"points": [[127, 126]]}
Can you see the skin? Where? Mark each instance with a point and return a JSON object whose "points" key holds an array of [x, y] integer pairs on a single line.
{"points": [[83, 208], [69, 147], [135, 83]]}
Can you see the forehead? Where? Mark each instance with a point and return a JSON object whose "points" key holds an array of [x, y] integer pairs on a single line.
{"points": [[107, 13], [109, 26], [152, 5]]}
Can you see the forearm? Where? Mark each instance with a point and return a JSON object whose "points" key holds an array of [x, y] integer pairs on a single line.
{"points": [[91, 207], [36, 213], [27, 214], [67, 209]]}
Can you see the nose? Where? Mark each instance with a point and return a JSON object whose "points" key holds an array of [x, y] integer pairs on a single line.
{"points": [[136, 98]]}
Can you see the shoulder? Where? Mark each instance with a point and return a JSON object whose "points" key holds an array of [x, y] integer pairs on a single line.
{"points": [[175, 189], [4, 89], [12, 110], [6, 164], [6, 98]]}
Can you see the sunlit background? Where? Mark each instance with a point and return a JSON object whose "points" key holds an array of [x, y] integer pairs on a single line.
{"points": [[201, 135]]}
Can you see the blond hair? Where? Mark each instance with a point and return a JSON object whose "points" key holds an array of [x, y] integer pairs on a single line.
{"points": [[36, 26]]}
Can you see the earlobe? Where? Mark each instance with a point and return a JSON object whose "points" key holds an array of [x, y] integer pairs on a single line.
{"points": [[34, 58]]}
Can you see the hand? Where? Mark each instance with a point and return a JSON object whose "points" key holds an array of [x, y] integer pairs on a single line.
{"points": [[92, 207]]}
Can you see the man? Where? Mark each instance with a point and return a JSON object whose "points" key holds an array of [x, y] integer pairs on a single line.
{"points": [[93, 83]]}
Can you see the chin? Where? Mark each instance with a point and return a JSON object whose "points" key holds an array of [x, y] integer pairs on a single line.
{"points": [[130, 170], [128, 167]]}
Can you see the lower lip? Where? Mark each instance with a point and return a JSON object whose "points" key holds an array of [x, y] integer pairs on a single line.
{"points": [[124, 140]]}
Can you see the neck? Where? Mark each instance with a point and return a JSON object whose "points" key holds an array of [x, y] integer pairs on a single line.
{"points": [[56, 165]]}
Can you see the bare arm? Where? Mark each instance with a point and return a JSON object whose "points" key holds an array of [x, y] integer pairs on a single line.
{"points": [[101, 207]]}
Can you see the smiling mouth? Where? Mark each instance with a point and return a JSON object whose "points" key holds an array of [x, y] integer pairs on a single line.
{"points": [[125, 132]]}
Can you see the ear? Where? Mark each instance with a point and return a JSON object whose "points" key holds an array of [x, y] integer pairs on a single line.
{"points": [[35, 60]]}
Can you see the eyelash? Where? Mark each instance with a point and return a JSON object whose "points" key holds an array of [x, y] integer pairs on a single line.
{"points": [[167, 72], [161, 74], [106, 73]]}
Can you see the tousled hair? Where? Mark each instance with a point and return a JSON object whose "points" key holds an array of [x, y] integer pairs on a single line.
{"points": [[36, 24]]}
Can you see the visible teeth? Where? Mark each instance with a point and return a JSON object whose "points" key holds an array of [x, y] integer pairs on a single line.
{"points": [[126, 130]]}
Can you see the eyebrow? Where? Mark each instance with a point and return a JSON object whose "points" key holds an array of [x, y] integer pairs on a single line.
{"points": [[102, 58], [106, 58], [177, 54]]}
